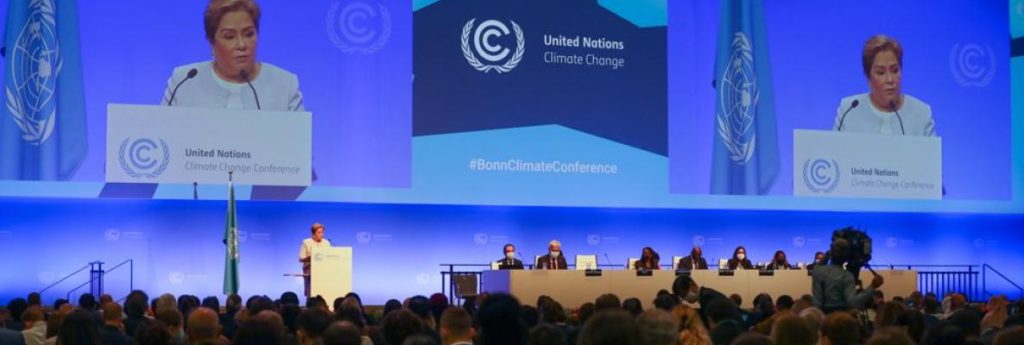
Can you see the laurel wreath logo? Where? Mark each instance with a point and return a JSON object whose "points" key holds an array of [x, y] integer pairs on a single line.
{"points": [[818, 183], [344, 43], [467, 51], [123, 160]]}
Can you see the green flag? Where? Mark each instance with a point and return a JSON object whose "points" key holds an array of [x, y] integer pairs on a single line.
{"points": [[231, 245]]}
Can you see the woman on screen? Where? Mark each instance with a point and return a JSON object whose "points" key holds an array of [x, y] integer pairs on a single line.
{"points": [[885, 109], [648, 260], [234, 79], [739, 260]]}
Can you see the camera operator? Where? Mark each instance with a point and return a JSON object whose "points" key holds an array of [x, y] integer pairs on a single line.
{"points": [[833, 287]]}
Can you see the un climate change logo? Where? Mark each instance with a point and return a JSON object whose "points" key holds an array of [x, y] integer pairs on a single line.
{"points": [[143, 157], [821, 175], [35, 65], [738, 95], [972, 65], [492, 54], [359, 27]]}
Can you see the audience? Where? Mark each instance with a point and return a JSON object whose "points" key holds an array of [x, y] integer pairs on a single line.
{"points": [[499, 319]]}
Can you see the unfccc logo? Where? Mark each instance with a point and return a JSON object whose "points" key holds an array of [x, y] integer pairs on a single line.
{"points": [[491, 53], [972, 65], [821, 175], [142, 157], [359, 27]]}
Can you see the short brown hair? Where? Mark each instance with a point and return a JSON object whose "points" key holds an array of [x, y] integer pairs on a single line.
{"points": [[456, 321], [112, 312], [218, 8], [877, 44], [841, 329], [315, 226]]}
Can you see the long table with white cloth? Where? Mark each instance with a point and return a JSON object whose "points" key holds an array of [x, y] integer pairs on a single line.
{"points": [[572, 288]]}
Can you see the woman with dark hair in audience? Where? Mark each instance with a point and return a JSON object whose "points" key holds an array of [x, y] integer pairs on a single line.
{"points": [[779, 262], [390, 306], [79, 328], [648, 260], [227, 320], [739, 260]]}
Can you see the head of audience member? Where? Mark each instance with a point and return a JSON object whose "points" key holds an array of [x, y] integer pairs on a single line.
{"points": [[112, 315], [691, 327], [203, 326], [684, 288], [944, 333], [338, 302], [666, 302], [316, 302], [763, 304], [1012, 335], [456, 325], [792, 329], [554, 248], [106, 298], [819, 258], [351, 314], [59, 302], [153, 333], [499, 321], [264, 328], [657, 327], [840, 328], [890, 336], [33, 316], [814, 317], [87, 301], [877, 300], [784, 303], [420, 305], [34, 299], [212, 302], [752, 338], [736, 298], [136, 304], [289, 298], [353, 298], [648, 253], [585, 312], [528, 314], [402, 324], [392, 305], [79, 328], [931, 306], [609, 327], [438, 303], [165, 301], [607, 301], [342, 333], [633, 306], [838, 251], [290, 316], [543, 334], [258, 304], [723, 320], [233, 304], [174, 321], [311, 325], [552, 312], [968, 321]]}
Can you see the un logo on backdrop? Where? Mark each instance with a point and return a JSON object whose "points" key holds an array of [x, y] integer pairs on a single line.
{"points": [[972, 65], [739, 95], [492, 54], [359, 27], [821, 175], [143, 157], [35, 63]]}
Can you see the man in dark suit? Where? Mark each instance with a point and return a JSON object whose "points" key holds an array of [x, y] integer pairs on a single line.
{"points": [[509, 262], [112, 331], [695, 261], [553, 260]]}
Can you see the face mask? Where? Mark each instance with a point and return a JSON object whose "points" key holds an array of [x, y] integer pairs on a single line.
{"points": [[510, 255], [690, 297], [741, 256], [555, 254]]}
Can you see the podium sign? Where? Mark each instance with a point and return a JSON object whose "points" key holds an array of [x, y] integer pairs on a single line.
{"points": [[330, 272], [158, 144], [837, 164]]}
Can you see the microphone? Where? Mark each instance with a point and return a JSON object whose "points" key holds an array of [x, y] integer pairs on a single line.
{"points": [[892, 105], [245, 76], [195, 190], [608, 259], [855, 103], [191, 74]]}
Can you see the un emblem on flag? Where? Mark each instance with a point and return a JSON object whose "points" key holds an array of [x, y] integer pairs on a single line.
{"points": [[491, 53], [738, 95], [35, 63], [821, 175], [143, 158]]}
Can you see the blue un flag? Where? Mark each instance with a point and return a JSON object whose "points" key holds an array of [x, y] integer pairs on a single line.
{"points": [[745, 159], [42, 120]]}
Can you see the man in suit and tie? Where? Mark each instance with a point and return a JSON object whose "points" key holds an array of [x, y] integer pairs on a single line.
{"points": [[693, 262], [509, 262], [554, 260]]}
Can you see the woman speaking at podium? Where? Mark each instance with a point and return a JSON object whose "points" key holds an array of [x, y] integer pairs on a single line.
{"points": [[884, 109], [316, 240], [234, 79]]}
